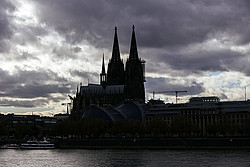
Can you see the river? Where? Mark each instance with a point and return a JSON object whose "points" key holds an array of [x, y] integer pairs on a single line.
{"points": [[106, 157]]}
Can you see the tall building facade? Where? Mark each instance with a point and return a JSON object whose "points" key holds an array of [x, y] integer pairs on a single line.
{"points": [[118, 84]]}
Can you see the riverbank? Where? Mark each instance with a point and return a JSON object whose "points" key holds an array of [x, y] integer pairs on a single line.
{"points": [[154, 143]]}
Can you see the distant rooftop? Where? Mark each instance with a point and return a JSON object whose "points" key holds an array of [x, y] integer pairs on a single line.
{"points": [[96, 88], [210, 99]]}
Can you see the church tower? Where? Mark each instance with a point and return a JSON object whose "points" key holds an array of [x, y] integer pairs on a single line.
{"points": [[115, 66], [134, 81], [103, 75]]}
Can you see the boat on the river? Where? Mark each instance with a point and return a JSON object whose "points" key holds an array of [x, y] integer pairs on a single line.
{"points": [[37, 145], [10, 146]]}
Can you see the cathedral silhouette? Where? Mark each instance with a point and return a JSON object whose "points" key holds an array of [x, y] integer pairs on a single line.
{"points": [[116, 86]]}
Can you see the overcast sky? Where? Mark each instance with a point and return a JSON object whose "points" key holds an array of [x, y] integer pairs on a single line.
{"points": [[47, 47]]}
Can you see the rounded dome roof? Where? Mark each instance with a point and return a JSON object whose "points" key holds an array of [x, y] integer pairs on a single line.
{"points": [[97, 112], [128, 110]]}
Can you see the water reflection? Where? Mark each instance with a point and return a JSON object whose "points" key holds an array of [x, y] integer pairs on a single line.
{"points": [[120, 158]]}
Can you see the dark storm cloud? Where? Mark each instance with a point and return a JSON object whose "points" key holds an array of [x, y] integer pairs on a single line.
{"points": [[5, 31], [38, 90], [5, 26], [63, 53], [85, 75], [23, 103], [222, 60], [76, 49], [35, 76], [169, 84], [29, 33], [163, 25], [32, 85], [160, 23]]}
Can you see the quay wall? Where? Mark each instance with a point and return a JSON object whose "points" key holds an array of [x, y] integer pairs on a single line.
{"points": [[154, 143]]}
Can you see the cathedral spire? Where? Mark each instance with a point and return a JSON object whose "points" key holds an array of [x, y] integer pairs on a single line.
{"points": [[134, 81], [116, 51], [103, 65], [103, 75], [133, 55], [115, 72]]}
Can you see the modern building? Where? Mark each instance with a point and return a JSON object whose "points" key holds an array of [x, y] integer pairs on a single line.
{"points": [[203, 112], [117, 85]]}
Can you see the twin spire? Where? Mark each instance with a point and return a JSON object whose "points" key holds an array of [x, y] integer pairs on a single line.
{"points": [[133, 54], [116, 50], [115, 71], [131, 79]]}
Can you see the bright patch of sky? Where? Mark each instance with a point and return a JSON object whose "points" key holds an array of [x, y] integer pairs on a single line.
{"points": [[25, 13], [213, 73]]}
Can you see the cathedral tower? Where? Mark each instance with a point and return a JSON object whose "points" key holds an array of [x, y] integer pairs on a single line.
{"points": [[115, 66], [134, 81]]}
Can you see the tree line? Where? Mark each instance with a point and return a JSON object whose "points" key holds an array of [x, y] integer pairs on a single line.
{"points": [[181, 127], [99, 128]]}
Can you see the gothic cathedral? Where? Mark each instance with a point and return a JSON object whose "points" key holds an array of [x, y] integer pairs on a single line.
{"points": [[118, 84]]}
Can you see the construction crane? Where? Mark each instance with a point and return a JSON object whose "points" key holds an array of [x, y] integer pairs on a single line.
{"points": [[176, 93], [71, 98], [68, 105]]}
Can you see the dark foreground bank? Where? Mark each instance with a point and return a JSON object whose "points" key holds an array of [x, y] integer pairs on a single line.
{"points": [[154, 143]]}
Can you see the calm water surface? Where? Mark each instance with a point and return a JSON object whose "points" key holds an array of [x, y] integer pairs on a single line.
{"points": [[67, 158]]}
